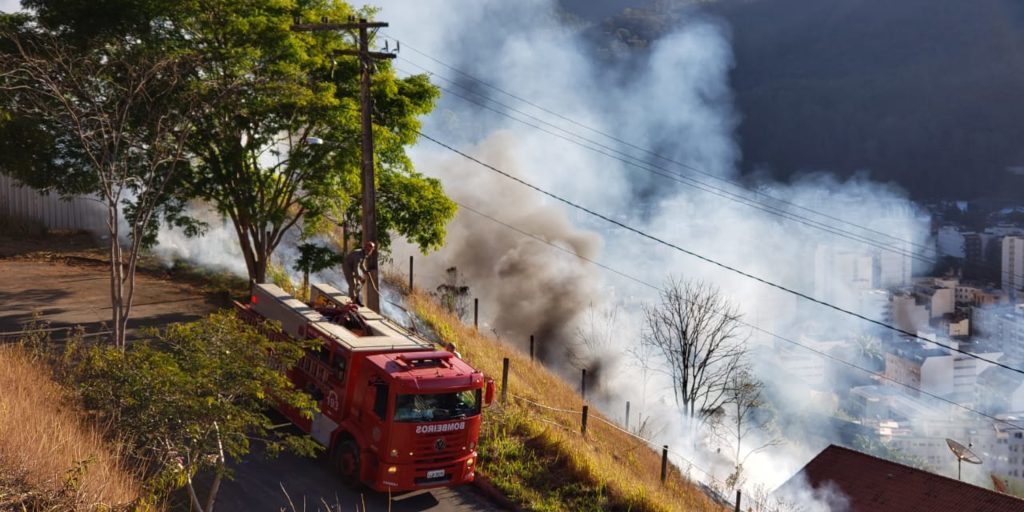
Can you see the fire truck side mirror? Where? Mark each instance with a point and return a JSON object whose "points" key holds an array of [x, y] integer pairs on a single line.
{"points": [[489, 392]]}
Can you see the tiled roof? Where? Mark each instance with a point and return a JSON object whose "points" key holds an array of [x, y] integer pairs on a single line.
{"points": [[871, 484]]}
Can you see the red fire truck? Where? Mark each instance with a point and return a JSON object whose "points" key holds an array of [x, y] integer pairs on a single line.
{"points": [[395, 412]]}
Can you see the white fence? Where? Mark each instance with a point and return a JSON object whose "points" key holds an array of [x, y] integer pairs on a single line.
{"points": [[76, 214]]}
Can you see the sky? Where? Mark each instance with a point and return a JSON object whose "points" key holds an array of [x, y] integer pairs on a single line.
{"points": [[9, 5]]}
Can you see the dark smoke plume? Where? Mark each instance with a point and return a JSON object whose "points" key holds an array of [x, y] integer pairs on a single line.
{"points": [[524, 285]]}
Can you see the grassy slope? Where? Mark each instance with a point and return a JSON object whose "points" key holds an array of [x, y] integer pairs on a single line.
{"points": [[538, 457], [51, 457]]}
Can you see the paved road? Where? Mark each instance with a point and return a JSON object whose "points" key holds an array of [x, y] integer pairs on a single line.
{"points": [[310, 483]]}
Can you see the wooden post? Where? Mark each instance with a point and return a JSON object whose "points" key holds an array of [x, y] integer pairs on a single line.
{"points": [[504, 380], [664, 463], [583, 422], [627, 414], [531, 347], [410, 274], [476, 313], [369, 193], [583, 383], [737, 509]]}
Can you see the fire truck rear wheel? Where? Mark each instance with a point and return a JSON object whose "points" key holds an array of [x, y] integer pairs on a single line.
{"points": [[345, 457]]}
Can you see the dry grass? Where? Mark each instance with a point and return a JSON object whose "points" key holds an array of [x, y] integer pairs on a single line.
{"points": [[49, 449], [621, 472]]}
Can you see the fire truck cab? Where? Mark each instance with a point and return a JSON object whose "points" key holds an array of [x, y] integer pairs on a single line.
{"points": [[395, 413]]}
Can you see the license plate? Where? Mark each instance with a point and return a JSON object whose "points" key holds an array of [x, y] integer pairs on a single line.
{"points": [[435, 473]]}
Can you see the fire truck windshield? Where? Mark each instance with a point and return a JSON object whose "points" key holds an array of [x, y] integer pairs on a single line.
{"points": [[437, 407]]}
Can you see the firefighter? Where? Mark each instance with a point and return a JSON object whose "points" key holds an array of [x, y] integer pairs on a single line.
{"points": [[356, 271]]}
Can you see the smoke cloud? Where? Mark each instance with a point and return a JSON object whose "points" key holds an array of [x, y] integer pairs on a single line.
{"points": [[524, 286], [673, 99]]}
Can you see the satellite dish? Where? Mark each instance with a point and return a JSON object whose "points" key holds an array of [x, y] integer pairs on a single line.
{"points": [[963, 454]]}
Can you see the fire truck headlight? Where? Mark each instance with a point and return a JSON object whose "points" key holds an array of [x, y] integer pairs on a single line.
{"points": [[392, 470], [469, 461], [394, 453]]}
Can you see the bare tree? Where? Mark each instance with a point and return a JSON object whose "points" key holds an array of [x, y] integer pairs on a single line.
{"points": [[698, 335], [595, 334], [116, 119], [744, 424]]}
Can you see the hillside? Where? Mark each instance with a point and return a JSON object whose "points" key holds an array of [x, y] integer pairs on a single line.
{"points": [[531, 446], [52, 457], [920, 92]]}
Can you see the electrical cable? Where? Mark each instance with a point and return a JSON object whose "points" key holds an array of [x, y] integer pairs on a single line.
{"points": [[619, 140], [685, 180], [752, 326], [709, 260], [636, 146]]}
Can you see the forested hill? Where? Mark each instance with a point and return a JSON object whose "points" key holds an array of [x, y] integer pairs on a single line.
{"points": [[926, 93]]}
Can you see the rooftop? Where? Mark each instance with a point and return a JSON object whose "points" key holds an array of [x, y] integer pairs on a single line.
{"points": [[871, 484]]}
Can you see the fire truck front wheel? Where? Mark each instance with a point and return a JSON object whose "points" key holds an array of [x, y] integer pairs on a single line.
{"points": [[346, 460]]}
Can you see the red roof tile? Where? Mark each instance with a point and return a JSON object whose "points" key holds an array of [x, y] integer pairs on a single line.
{"points": [[872, 484]]}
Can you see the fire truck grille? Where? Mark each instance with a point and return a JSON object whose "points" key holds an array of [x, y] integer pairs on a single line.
{"points": [[440, 448]]}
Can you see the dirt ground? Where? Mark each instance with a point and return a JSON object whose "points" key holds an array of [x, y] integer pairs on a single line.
{"points": [[64, 279]]}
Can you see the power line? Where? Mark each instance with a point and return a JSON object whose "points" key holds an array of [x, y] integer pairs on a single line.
{"points": [[675, 176], [747, 324], [641, 148], [735, 183], [711, 260]]}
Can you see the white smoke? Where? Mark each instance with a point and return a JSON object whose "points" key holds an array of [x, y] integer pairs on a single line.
{"points": [[677, 101]]}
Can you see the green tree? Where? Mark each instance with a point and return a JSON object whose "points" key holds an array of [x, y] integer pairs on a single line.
{"points": [[314, 258], [107, 119], [267, 89], [194, 398], [252, 159]]}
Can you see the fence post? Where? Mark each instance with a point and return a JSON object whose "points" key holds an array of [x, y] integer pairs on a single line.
{"points": [[583, 422], [583, 383], [476, 314], [627, 414], [504, 380], [531, 347], [737, 509], [410, 274], [664, 462]]}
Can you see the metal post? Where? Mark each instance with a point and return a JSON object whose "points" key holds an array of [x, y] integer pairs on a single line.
{"points": [[410, 274], [583, 383], [737, 509], [504, 380], [583, 422], [664, 462], [476, 313], [627, 414]]}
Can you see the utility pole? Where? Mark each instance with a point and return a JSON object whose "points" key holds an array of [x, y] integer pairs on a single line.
{"points": [[361, 31]]}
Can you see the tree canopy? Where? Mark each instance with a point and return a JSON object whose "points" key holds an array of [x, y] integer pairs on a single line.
{"points": [[266, 89]]}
